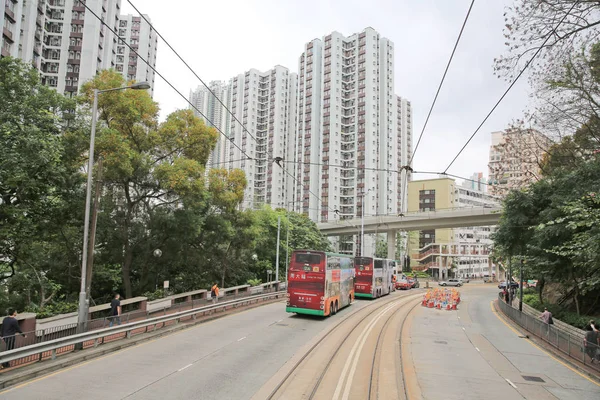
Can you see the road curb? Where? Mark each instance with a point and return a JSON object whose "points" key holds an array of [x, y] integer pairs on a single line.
{"points": [[43, 368], [546, 347]]}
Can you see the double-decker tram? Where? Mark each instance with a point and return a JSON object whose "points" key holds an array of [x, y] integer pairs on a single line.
{"points": [[373, 277], [319, 283]]}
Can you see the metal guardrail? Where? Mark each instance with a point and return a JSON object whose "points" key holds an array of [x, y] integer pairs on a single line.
{"points": [[52, 348], [60, 331], [565, 342]]}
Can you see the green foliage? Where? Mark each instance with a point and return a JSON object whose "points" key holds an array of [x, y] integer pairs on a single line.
{"points": [[558, 312], [154, 295], [56, 308], [155, 194], [554, 226], [254, 282]]}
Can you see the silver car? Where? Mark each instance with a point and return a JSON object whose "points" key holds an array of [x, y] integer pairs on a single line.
{"points": [[451, 282]]}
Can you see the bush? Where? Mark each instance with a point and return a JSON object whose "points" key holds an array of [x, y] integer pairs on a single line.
{"points": [[254, 282], [157, 294], [558, 312], [56, 308]]}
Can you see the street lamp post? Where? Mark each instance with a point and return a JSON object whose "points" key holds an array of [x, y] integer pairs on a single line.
{"points": [[362, 227], [83, 302], [287, 241]]}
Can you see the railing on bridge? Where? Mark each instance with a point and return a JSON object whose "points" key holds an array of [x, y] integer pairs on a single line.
{"points": [[568, 342], [46, 346], [48, 329]]}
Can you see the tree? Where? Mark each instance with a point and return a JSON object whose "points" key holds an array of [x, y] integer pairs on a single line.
{"points": [[381, 247], [532, 25], [582, 220], [39, 188], [147, 166], [541, 226]]}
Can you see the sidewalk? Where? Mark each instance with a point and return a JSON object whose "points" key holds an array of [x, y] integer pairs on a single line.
{"points": [[472, 354]]}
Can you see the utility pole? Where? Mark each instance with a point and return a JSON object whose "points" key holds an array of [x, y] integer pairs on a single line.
{"points": [[521, 287], [509, 280], [277, 254], [92, 243]]}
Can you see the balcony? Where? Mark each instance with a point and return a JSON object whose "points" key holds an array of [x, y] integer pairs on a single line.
{"points": [[7, 34], [70, 88], [10, 14]]}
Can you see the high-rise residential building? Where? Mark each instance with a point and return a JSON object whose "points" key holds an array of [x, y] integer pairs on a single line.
{"points": [[515, 159], [69, 45], [476, 182], [140, 36], [353, 133], [265, 104], [464, 250], [214, 114]]}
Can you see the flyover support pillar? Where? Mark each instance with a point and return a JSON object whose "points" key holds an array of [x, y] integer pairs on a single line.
{"points": [[391, 244]]}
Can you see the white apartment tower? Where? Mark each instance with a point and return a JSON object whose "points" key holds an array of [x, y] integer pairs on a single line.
{"points": [[353, 134], [214, 114], [69, 45], [265, 103], [143, 39], [76, 45]]}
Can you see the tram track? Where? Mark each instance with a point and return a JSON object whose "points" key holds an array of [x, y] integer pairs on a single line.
{"points": [[329, 367]]}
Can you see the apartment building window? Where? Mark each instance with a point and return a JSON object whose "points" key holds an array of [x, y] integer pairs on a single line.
{"points": [[122, 23]]}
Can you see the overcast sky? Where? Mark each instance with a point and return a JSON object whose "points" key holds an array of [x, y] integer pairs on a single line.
{"points": [[221, 39]]}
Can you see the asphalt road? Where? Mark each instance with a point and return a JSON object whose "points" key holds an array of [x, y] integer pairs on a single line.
{"points": [[229, 358], [472, 354]]}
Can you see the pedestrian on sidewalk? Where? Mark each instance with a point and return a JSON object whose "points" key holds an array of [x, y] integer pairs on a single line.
{"points": [[590, 343], [10, 328], [505, 295], [593, 325], [547, 317], [214, 293], [115, 310]]}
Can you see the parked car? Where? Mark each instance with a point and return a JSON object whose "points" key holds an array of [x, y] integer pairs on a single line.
{"points": [[464, 280], [451, 282], [403, 284], [513, 284]]}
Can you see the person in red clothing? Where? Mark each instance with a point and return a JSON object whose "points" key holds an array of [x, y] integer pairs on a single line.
{"points": [[10, 328]]}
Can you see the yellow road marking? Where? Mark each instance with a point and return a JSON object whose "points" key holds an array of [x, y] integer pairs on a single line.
{"points": [[501, 318], [113, 353]]}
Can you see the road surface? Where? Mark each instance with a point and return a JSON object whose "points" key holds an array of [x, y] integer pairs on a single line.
{"points": [[472, 354], [229, 358]]}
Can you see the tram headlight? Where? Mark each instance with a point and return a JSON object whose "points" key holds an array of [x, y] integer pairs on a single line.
{"points": [[322, 297], [322, 307]]}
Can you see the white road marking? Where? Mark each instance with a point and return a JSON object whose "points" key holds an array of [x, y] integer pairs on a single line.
{"points": [[187, 366], [464, 328], [355, 355], [240, 339], [477, 348], [511, 384]]}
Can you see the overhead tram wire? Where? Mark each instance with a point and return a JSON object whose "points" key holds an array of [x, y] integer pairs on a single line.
{"points": [[442, 81], [551, 34], [162, 77], [191, 70]]}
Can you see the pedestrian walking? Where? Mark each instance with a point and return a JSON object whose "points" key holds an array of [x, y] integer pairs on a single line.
{"points": [[594, 326], [214, 293], [115, 310], [590, 343], [547, 317], [10, 328]]}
